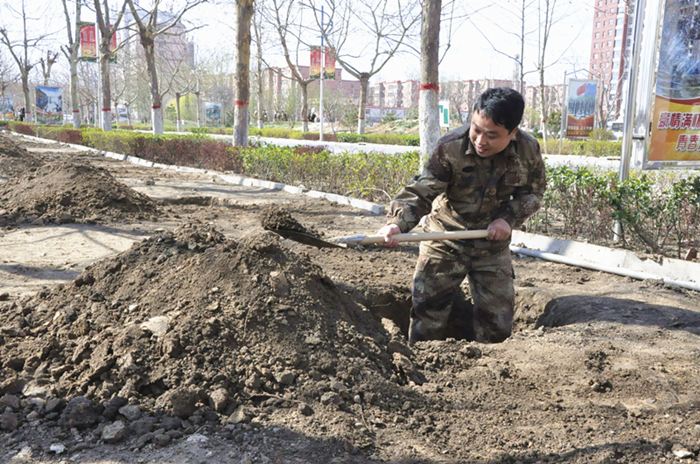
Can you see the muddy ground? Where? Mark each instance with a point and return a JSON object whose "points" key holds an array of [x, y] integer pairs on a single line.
{"points": [[179, 330]]}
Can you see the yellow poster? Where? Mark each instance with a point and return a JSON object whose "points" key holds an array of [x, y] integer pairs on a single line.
{"points": [[675, 127]]}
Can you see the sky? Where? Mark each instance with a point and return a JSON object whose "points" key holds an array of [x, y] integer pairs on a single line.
{"points": [[472, 53]]}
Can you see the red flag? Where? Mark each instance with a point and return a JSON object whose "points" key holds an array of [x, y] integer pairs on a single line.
{"points": [[581, 90]]}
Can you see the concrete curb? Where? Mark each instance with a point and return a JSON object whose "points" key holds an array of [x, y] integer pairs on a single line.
{"points": [[230, 178]]}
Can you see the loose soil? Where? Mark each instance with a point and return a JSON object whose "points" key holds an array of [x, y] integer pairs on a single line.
{"points": [[184, 332]]}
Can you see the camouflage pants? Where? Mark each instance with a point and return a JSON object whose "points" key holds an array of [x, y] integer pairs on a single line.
{"points": [[440, 270]]}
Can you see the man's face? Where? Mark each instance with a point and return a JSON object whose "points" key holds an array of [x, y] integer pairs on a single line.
{"points": [[487, 137]]}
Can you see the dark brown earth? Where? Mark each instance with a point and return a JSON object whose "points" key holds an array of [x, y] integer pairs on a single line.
{"points": [[211, 340]]}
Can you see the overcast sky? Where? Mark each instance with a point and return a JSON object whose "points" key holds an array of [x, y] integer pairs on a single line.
{"points": [[471, 56]]}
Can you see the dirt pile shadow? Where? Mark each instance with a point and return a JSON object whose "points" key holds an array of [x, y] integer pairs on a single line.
{"points": [[191, 321], [69, 191]]}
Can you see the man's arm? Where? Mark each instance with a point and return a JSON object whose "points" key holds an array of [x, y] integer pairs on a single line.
{"points": [[415, 200], [526, 198]]}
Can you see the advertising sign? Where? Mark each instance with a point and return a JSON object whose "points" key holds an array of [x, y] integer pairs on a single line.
{"points": [[7, 108], [580, 109], [123, 116], [675, 125], [444, 107], [88, 43], [49, 105], [212, 114], [315, 63], [329, 65]]}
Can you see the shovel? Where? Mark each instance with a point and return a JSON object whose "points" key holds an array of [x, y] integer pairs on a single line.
{"points": [[354, 240]]}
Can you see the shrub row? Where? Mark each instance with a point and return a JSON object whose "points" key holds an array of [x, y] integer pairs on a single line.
{"points": [[373, 176], [659, 211], [386, 139]]}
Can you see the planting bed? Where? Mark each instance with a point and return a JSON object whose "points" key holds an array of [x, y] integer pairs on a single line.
{"points": [[184, 332]]}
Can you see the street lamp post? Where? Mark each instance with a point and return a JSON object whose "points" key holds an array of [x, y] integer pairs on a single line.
{"points": [[323, 69]]}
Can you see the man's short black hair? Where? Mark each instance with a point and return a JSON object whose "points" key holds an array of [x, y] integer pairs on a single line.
{"points": [[503, 105]]}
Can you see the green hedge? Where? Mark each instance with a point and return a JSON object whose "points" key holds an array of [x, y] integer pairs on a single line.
{"points": [[659, 211], [386, 139], [596, 148]]}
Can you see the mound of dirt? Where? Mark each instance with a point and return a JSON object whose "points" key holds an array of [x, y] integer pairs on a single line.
{"points": [[275, 218], [14, 159], [70, 191], [194, 324]]}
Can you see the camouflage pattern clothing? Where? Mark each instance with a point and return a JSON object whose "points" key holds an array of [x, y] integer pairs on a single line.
{"points": [[459, 190]]}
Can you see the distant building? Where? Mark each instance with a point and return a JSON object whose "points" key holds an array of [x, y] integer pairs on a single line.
{"points": [[279, 83], [610, 51]]}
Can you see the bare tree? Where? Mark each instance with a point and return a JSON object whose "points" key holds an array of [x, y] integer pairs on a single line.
{"points": [[284, 17], [148, 28], [71, 53], [47, 64], [7, 77], [532, 17], [107, 31], [383, 25], [20, 50], [244, 15]]}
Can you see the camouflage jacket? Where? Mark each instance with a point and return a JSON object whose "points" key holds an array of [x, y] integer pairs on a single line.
{"points": [[460, 190]]}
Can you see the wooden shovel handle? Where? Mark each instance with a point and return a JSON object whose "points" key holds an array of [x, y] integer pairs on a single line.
{"points": [[421, 236]]}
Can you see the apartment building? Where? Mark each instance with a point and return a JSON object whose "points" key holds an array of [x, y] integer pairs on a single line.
{"points": [[611, 44]]}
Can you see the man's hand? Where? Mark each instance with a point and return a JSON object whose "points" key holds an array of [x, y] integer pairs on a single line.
{"points": [[388, 231], [499, 230]]}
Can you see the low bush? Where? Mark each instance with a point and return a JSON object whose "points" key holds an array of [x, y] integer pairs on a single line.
{"points": [[22, 128], [374, 176], [659, 211]]}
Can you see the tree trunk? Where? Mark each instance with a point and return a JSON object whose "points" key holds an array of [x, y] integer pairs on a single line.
{"points": [[156, 100], [304, 106], [27, 97], [75, 100], [105, 110], [260, 77], [364, 82], [543, 105], [429, 120], [199, 109], [244, 14], [177, 109]]}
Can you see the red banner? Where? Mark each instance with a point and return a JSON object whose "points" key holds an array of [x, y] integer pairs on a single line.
{"points": [[88, 43], [315, 63], [329, 65]]}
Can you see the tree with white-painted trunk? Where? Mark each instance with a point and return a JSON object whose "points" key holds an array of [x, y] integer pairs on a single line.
{"points": [[22, 49], [244, 15], [107, 30], [429, 116], [383, 26], [148, 28], [71, 53]]}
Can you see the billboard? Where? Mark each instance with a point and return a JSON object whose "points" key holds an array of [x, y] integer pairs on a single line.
{"points": [[315, 63], [7, 108], [675, 125], [49, 105], [88, 43], [580, 108], [212, 114]]}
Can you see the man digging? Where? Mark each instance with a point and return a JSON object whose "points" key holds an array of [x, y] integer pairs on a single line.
{"points": [[485, 175]]}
